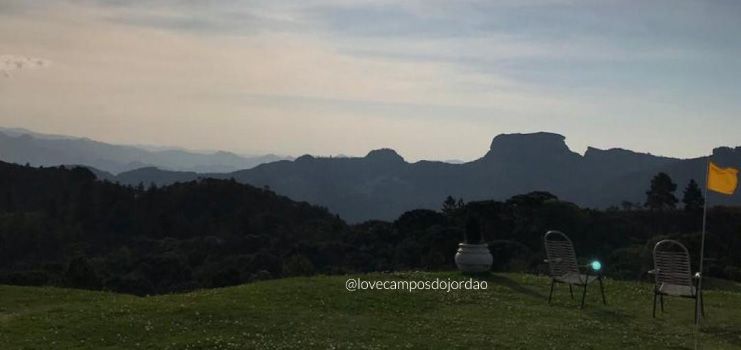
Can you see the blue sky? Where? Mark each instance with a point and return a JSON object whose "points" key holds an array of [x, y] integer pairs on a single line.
{"points": [[431, 79]]}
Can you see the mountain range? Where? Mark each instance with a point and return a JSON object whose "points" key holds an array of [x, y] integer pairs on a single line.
{"points": [[382, 185], [25, 146]]}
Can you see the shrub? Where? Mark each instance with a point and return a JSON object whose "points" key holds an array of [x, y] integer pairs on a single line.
{"points": [[297, 265], [80, 274]]}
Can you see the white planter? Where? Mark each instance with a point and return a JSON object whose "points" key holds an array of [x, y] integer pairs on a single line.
{"points": [[473, 257]]}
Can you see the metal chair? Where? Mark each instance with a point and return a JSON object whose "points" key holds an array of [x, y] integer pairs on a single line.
{"points": [[563, 267], [673, 275]]}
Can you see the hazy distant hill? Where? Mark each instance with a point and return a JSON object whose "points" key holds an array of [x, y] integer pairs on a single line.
{"points": [[23, 146], [383, 185], [152, 175]]}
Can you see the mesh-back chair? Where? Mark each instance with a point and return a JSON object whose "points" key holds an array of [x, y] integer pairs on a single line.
{"points": [[563, 267], [673, 274]]}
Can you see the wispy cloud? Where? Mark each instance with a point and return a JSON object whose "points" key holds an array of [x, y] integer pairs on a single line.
{"points": [[11, 63]]}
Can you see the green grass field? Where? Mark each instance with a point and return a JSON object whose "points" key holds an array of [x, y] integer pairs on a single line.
{"points": [[318, 312]]}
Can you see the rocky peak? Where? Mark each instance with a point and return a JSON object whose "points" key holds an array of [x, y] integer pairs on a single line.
{"points": [[593, 153], [526, 146], [384, 155], [305, 158]]}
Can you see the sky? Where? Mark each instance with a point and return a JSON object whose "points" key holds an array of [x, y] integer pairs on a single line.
{"points": [[430, 79]]}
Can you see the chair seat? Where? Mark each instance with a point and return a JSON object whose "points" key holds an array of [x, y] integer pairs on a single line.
{"points": [[677, 290], [576, 278]]}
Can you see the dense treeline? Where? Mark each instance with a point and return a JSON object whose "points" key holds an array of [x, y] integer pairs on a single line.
{"points": [[63, 227]]}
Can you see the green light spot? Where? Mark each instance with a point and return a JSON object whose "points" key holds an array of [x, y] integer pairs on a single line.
{"points": [[596, 265]]}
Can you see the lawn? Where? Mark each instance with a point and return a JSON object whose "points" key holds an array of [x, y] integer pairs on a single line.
{"points": [[318, 312]]}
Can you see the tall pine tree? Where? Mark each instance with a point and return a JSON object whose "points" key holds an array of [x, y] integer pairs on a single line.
{"points": [[693, 199], [661, 194]]}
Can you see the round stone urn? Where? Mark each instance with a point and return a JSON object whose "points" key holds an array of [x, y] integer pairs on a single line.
{"points": [[473, 258]]}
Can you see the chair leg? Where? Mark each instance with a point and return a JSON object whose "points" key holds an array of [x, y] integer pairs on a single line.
{"points": [[571, 291], [583, 296], [553, 282], [654, 304], [602, 290], [661, 297]]}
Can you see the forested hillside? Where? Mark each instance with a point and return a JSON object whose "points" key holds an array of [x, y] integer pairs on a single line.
{"points": [[63, 227]]}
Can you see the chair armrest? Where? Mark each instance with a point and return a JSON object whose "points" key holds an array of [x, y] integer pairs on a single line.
{"points": [[652, 272]]}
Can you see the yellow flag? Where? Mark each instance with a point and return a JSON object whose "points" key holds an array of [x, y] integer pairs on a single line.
{"points": [[722, 180]]}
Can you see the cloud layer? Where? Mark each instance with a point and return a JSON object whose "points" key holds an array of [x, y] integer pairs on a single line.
{"points": [[432, 79]]}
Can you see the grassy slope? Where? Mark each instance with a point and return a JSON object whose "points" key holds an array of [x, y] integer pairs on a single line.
{"points": [[318, 312]]}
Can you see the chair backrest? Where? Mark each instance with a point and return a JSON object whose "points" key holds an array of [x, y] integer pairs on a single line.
{"points": [[672, 263], [560, 253]]}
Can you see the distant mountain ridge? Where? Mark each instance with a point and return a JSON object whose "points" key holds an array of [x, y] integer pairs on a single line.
{"points": [[24, 146], [382, 185]]}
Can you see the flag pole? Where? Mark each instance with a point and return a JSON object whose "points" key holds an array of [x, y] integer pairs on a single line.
{"points": [[698, 314]]}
